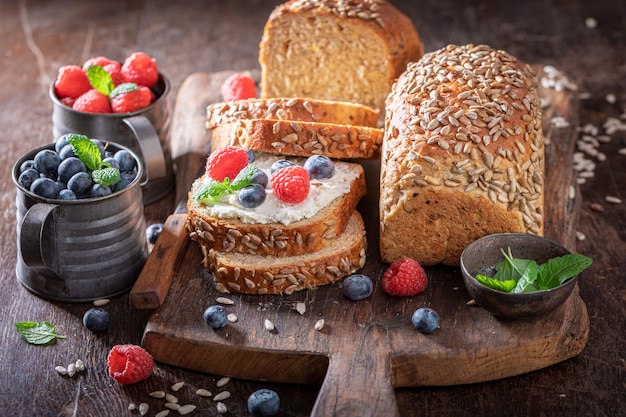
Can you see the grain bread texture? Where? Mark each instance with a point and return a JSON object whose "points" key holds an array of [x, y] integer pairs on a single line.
{"points": [[291, 137], [297, 108], [463, 154], [258, 274], [336, 50], [233, 235]]}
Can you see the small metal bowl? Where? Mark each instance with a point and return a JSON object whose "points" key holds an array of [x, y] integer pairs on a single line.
{"points": [[481, 257]]}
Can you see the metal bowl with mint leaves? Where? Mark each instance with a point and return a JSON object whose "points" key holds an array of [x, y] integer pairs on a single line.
{"points": [[518, 275]]}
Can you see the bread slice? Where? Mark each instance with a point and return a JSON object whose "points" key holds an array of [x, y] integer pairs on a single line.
{"points": [[301, 109], [259, 274], [288, 137], [284, 237], [348, 51]]}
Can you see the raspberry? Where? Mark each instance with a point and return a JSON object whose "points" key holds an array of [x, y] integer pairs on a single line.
{"points": [[291, 184], [71, 82], [405, 277], [92, 102], [238, 86], [141, 69], [226, 162], [133, 100], [129, 364]]}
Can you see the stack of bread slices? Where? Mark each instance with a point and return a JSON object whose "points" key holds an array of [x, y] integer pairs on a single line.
{"points": [[278, 247]]}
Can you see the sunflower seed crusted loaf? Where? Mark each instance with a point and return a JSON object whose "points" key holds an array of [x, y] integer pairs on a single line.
{"points": [[258, 274], [463, 154], [336, 50], [302, 109], [293, 137]]}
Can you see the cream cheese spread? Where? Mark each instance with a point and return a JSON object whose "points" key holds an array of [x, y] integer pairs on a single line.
{"points": [[273, 210]]}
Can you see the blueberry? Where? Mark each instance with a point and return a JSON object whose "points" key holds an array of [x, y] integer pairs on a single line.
{"points": [[260, 177], [111, 161], [70, 166], [60, 143], [425, 319], [263, 403], [44, 187], [251, 156], [153, 232], [66, 194], [47, 161], [125, 159], [80, 183], [67, 152], [125, 179], [252, 195], [357, 287], [28, 164], [97, 320], [216, 316], [319, 167], [98, 190], [27, 177], [281, 163]]}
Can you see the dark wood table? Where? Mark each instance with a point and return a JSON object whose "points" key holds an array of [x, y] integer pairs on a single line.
{"points": [[37, 37]]}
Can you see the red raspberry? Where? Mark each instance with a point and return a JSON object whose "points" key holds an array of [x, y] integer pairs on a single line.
{"points": [[226, 162], [405, 277], [129, 364], [133, 100], [71, 82], [291, 184], [238, 86], [99, 60], [141, 69], [115, 71], [92, 102], [68, 101]]}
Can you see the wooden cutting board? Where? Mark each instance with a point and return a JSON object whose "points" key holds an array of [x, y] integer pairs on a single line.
{"points": [[366, 348]]}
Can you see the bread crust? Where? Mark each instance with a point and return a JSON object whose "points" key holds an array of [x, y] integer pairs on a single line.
{"points": [[391, 32], [463, 154], [256, 274], [297, 108], [289, 137]]}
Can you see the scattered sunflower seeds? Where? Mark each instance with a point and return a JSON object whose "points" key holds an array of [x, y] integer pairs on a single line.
{"points": [[224, 300], [171, 399], [203, 392], [143, 409], [613, 200], [163, 413], [319, 325], [177, 386], [101, 302], [172, 406], [222, 381], [186, 409], [157, 394], [222, 396]]}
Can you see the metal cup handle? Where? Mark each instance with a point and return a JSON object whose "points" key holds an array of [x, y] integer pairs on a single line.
{"points": [[148, 139], [36, 219]]}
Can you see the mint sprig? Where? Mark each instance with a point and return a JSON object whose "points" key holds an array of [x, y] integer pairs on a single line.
{"points": [[517, 275], [100, 79], [101, 172], [214, 191], [38, 333]]}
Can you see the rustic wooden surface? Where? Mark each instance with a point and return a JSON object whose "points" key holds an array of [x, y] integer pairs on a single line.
{"points": [[36, 37]]}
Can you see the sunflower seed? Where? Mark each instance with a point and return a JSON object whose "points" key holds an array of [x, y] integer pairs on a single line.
{"points": [[171, 398], [232, 318], [319, 325], [177, 386], [132, 407], [61, 370], [301, 308], [222, 396], [101, 302], [163, 413], [186, 409], [609, 199], [203, 392], [172, 406], [143, 409], [224, 300], [71, 369], [269, 326], [222, 381], [157, 394], [221, 408]]}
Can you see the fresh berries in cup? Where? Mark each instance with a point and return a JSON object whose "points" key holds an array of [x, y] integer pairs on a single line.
{"points": [[71, 82], [264, 403], [129, 364], [238, 86], [357, 287], [216, 316], [97, 320], [226, 162], [291, 184], [425, 320], [320, 167], [404, 277]]}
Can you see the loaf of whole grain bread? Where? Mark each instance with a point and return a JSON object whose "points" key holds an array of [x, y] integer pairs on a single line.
{"points": [[462, 156], [336, 50]]}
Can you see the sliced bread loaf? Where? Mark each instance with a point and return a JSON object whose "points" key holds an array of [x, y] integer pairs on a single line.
{"points": [[302, 109], [259, 274], [275, 228], [289, 137]]}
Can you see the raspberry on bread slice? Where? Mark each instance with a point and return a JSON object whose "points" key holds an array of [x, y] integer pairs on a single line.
{"points": [[260, 274], [297, 109], [290, 137], [214, 228]]}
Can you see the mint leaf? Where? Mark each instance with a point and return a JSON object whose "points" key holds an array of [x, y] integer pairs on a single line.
{"points": [[122, 88], [244, 177], [526, 282], [510, 267], [557, 270], [496, 284], [106, 176], [86, 150], [212, 192], [38, 333], [100, 79]]}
